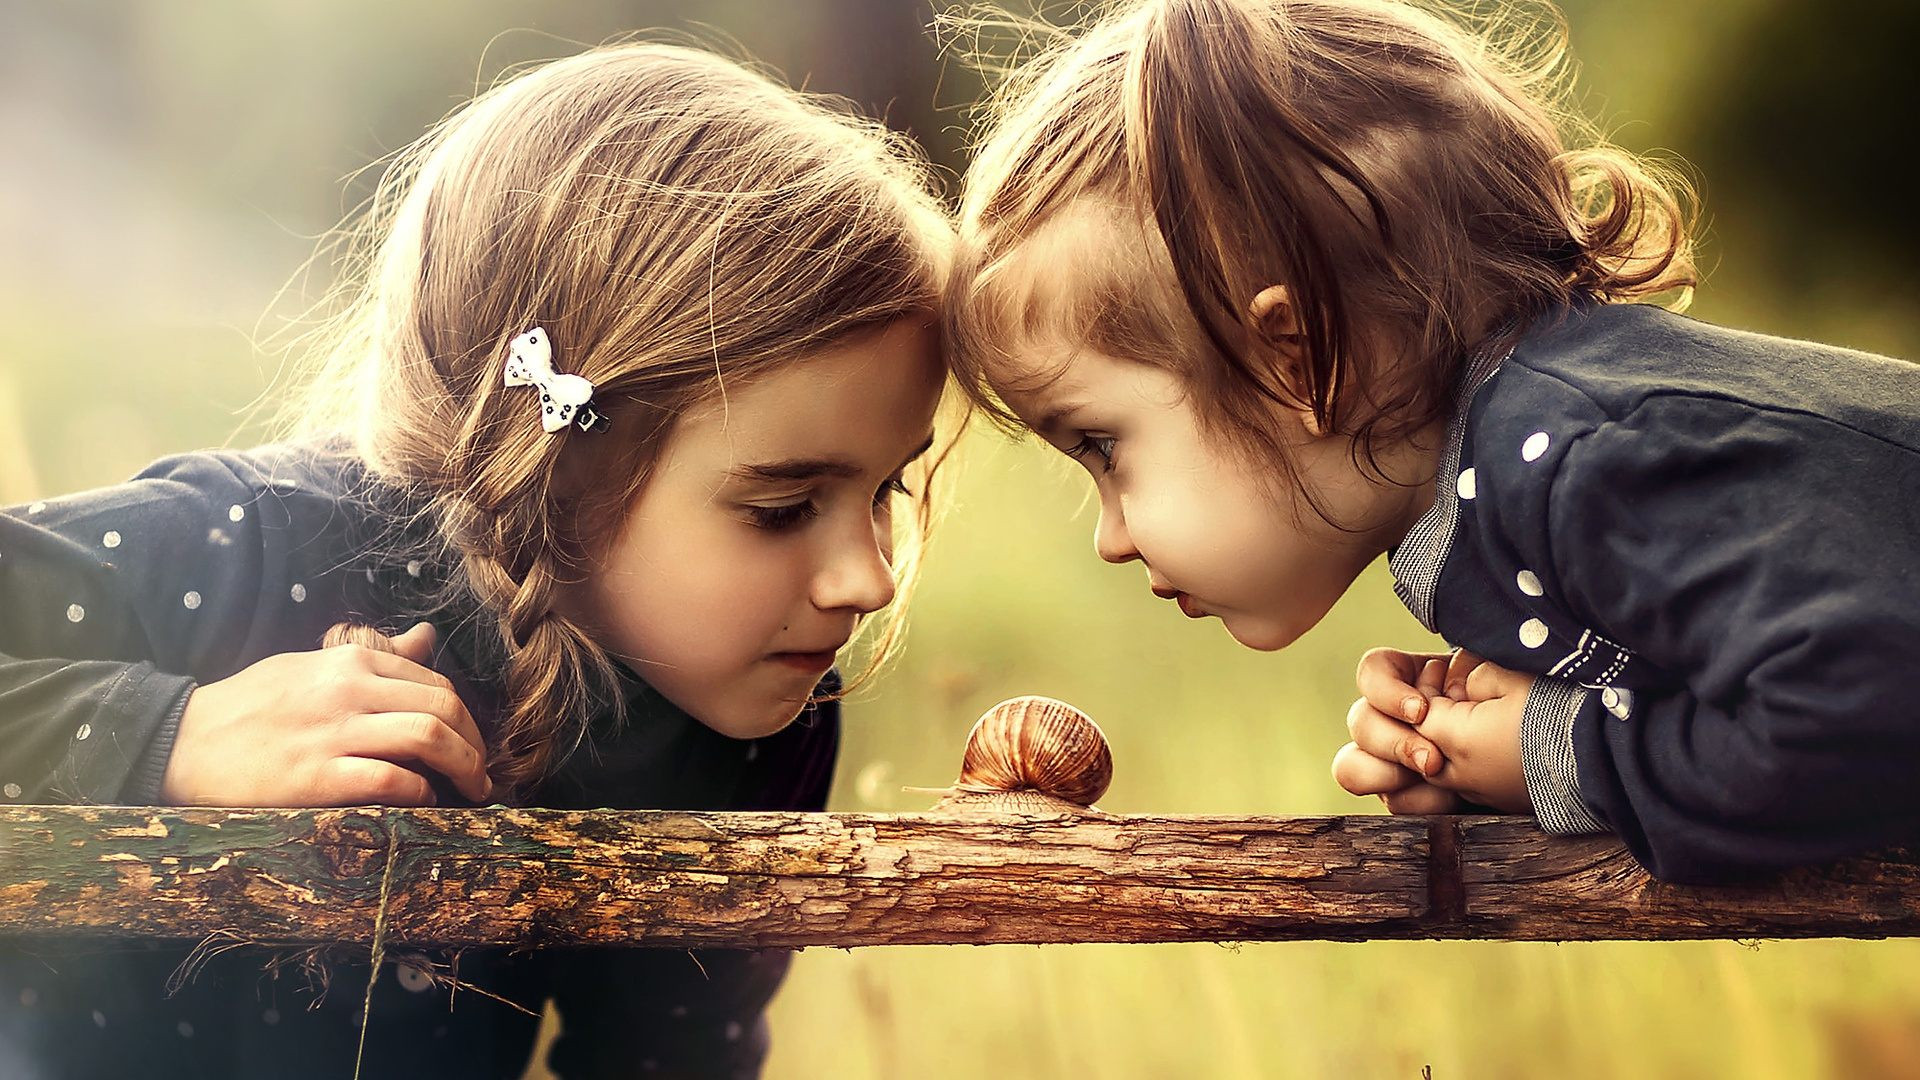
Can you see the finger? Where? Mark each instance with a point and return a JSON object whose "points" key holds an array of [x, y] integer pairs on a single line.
{"points": [[1392, 740], [357, 781], [1385, 678], [417, 737], [417, 643], [1460, 665], [384, 694], [1422, 799], [1452, 730], [1360, 773], [1490, 680], [1433, 677], [406, 686]]}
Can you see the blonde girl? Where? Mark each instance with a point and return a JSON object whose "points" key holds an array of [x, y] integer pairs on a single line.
{"points": [[611, 438]]}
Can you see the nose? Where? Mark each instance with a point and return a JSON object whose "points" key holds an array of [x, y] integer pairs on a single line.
{"points": [[1110, 537], [856, 574]]}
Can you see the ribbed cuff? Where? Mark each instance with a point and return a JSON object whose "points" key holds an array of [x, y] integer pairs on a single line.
{"points": [[142, 787], [1546, 756]]}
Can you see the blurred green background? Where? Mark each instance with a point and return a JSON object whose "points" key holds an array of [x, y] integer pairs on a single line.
{"points": [[170, 167]]}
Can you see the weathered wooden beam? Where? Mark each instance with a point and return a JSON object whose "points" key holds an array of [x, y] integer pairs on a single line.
{"points": [[547, 877]]}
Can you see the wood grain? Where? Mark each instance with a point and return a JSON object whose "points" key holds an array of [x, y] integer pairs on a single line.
{"points": [[545, 877]]}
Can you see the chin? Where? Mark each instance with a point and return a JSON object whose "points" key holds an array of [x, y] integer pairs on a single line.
{"points": [[752, 723], [1265, 637]]}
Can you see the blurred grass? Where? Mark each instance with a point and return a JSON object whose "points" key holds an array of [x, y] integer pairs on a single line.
{"points": [[175, 181]]}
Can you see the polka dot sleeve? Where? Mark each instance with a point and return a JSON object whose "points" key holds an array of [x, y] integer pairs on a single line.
{"points": [[113, 603], [1703, 543], [1764, 558]]}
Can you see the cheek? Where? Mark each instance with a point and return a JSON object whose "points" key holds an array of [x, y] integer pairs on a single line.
{"points": [[1204, 533], [698, 599]]}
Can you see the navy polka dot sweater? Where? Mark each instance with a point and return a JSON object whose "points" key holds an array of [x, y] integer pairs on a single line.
{"points": [[1707, 544], [115, 603]]}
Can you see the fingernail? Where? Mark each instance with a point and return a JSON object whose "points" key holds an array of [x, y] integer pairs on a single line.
{"points": [[1412, 707], [1457, 690], [1420, 761]]}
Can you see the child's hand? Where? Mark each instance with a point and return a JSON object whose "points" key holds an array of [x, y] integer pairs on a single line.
{"points": [[1479, 733], [341, 726], [1391, 755], [1481, 738], [1388, 757]]}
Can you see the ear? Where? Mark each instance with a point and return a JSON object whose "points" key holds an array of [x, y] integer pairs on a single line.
{"points": [[1273, 312], [1278, 321]]}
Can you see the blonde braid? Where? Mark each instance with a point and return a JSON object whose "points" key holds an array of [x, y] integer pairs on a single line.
{"points": [[556, 678]]}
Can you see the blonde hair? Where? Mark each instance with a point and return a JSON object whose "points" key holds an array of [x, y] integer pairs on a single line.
{"points": [[1404, 174], [676, 223]]}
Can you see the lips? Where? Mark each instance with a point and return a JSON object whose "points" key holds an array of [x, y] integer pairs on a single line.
{"points": [[818, 660], [1188, 606]]}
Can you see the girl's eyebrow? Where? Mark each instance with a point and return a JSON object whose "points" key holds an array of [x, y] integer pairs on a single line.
{"points": [[1050, 419], [812, 468]]}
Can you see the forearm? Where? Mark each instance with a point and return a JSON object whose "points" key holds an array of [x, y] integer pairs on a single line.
{"points": [[1703, 793], [1547, 756], [85, 731]]}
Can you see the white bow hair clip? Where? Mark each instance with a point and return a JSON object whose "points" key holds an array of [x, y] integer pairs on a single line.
{"points": [[530, 363]]}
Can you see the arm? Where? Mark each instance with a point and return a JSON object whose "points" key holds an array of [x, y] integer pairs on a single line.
{"points": [[89, 731], [95, 670], [1770, 561], [130, 616]]}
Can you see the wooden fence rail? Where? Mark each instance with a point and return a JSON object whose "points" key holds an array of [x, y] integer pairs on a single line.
{"points": [[495, 876]]}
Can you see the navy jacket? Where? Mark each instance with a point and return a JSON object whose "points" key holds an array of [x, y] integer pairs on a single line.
{"points": [[1707, 544], [115, 603]]}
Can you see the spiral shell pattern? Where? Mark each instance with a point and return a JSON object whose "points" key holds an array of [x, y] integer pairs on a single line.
{"points": [[1037, 744]]}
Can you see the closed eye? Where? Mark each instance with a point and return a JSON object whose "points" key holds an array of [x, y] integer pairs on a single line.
{"points": [[782, 518]]}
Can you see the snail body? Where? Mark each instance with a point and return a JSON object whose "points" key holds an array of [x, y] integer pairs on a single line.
{"points": [[1032, 755]]}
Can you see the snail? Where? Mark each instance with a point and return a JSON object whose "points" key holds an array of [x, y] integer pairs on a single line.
{"points": [[1032, 755]]}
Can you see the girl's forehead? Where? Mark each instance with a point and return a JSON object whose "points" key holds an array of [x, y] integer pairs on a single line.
{"points": [[845, 402], [1085, 247], [1089, 280]]}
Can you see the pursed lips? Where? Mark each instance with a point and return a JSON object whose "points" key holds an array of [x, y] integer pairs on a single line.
{"points": [[1188, 606]]}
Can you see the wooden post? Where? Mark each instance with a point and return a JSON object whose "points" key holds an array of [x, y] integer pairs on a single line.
{"points": [[549, 877]]}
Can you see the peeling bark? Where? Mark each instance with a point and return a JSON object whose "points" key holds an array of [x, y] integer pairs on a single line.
{"points": [[605, 877]]}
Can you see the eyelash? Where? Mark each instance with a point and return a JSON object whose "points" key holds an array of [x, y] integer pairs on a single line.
{"points": [[782, 518], [894, 486], [1094, 444]]}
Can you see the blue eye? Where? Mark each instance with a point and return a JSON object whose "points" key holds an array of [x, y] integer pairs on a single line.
{"points": [[1099, 445], [782, 518]]}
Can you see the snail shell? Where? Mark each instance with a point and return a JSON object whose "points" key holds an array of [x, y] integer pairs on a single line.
{"points": [[1032, 755]]}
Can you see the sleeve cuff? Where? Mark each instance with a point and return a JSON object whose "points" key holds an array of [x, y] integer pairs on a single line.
{"points": [[1546, 756], [142, 787]]}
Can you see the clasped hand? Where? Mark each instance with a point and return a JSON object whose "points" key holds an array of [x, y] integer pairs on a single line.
{"points": [[1432, 732]]}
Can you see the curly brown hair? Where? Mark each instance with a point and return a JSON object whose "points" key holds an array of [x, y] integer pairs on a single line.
{"points": [[1404, 171]]}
